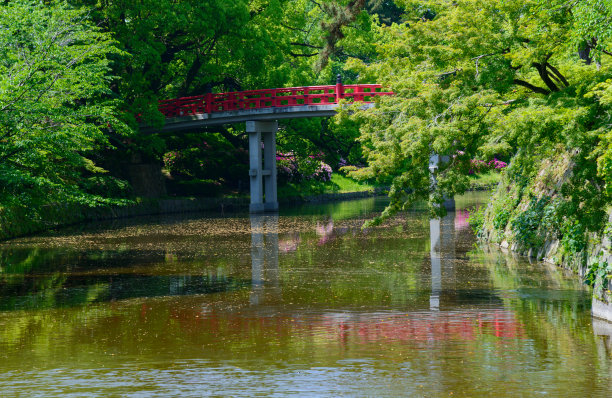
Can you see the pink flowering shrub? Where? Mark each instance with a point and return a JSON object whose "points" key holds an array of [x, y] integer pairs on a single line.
{"points": [[480, 166], [292, 168]]}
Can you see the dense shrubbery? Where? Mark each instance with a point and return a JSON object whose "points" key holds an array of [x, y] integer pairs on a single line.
{"points": [[492, 80], [205, 165], [294, 168], [480, 166], [56, 110]]}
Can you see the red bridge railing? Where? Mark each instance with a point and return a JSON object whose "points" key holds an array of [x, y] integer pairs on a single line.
{"points": [[270, 98]]}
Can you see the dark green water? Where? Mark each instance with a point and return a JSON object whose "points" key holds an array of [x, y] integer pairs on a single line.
{"points": [[301, 304]]}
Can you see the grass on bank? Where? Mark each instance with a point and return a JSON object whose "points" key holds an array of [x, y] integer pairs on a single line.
{"points": [[338, 184], [484, 181]]}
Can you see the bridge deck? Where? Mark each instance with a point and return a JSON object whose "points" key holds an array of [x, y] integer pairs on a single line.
{"points": [[261, 105]]}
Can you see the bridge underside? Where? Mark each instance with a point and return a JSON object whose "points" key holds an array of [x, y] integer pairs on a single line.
{"points": [[198, 121], [261, 126]]}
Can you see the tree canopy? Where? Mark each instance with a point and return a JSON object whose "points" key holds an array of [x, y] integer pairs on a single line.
{"points": [[485, 79], [55, 104], [474, 81]]}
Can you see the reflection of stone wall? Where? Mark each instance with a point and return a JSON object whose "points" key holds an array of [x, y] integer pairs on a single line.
{"points": [[146, 180]]}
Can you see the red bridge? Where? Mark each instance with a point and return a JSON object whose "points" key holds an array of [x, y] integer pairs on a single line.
{"points": [[190, 113], [261, 110]]}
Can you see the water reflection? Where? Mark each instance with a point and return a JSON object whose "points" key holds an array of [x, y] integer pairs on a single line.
{"points": [[442, 254], [603, 331], [293, 305], [264, 256]]}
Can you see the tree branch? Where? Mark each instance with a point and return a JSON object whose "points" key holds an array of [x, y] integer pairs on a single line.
{"points": [[305, 45], [476, 59], [530, 86], [303, 55], [605, 52], [558, 74], [292, 28], [541, 68]]}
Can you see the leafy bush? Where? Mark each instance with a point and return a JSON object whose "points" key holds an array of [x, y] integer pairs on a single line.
{"points": [[476, 219], [527, 223], [293, 168], [501, 219], [598, 276], [196, 187]]}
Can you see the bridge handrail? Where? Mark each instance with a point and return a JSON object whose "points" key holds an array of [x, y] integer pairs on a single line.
{"points": [[268, 98]]}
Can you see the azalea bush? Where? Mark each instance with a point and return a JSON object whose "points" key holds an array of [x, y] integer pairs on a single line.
{"points": [[294, 168], [481, 166]]}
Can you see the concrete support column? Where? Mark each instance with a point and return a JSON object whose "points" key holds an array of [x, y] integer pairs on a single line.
{"points": [[265, 168], [269, 140], [255, 171], [434, 164]]}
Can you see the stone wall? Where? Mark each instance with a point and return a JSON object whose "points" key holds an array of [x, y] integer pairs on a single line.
{"points": [[511, 200]]}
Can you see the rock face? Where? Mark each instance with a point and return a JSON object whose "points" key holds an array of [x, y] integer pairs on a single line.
{"points": [[529, 220]]}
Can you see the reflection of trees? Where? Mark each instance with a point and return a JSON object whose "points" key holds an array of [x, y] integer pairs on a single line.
{"points": [[389, 272], [33, 278], [364, 294], [342, 210], [555, 312]]}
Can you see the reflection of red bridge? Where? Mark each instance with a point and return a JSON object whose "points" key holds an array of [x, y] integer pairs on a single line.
{"points": [[427, 326], [417, 327]]}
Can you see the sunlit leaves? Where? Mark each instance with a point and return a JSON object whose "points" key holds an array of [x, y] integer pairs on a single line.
{"points": [[55, 101], [482, 79]]}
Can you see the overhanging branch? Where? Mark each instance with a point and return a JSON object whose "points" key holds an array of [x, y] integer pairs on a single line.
{"points": [[530, 86]]}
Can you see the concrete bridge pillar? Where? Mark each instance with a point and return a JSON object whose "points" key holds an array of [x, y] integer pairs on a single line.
{"points": [[262, 171]]}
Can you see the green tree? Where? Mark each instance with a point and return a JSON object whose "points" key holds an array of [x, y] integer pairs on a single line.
{"points": [[479, 79], [55, 104]]}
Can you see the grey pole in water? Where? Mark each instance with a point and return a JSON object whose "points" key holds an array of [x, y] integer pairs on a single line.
{"points": [[442, 235], [264, 255], [434, 164]]}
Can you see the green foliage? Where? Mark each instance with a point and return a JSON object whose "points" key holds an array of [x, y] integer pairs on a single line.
{"points": [[55, 105], [599, 275], [501, 219], [204, 165], [484, 79], [527, 224], [476, 219]]}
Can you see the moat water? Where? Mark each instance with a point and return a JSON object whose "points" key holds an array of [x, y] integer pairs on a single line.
{"points": [[304, 303]]}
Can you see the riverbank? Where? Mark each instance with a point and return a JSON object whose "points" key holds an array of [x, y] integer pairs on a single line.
{"points": [[540, 217], [17, 222]]}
